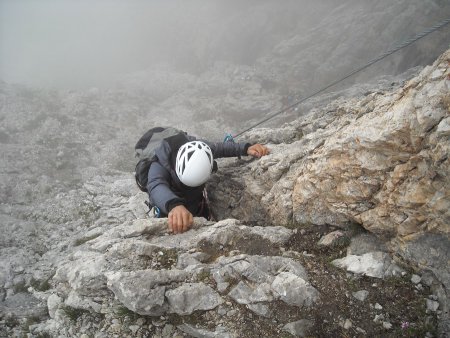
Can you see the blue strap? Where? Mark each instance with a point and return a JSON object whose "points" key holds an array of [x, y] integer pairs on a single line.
{"points": [[228, 138], [157, 212]]}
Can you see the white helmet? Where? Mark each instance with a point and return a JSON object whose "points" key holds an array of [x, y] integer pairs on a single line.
{"points": [[194, 163]]}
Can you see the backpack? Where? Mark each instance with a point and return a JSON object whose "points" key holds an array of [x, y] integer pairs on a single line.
{"points": [[145, 150]]}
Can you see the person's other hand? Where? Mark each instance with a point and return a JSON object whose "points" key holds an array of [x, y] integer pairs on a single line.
{"points": [[257, 150], [180, 219]]}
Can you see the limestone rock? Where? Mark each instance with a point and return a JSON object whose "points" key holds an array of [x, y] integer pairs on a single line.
{"points": [[331, 239], [188, 298], [373, 264], [365, 243], [23, 305], [430, 251], [220, 332], [432, 305], [299, 328], [385, 168], [53, 302], [265, 278], [243, 293], [85, 274], [144, 291], [260, 309], [361, 295], [78, 302], [387, 325], [415, 279], [294, 290]]}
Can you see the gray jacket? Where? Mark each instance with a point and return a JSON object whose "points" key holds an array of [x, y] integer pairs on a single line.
{"points": [[164, 187]]}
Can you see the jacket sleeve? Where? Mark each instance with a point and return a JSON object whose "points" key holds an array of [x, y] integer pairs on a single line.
{"points": [[159, 191], [228, 149]]}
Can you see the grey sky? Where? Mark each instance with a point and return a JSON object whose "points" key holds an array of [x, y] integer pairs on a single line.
{"points": [[52, 42]]}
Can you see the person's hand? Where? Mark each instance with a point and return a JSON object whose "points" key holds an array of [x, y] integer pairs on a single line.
{"points": [[257, 150], [180, 219]]}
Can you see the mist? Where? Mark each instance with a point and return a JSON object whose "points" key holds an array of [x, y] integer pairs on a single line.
{"points": [[80, 44], [77, 44]]}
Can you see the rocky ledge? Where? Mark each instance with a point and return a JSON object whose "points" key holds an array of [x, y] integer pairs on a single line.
{"points": [[228, 279]]}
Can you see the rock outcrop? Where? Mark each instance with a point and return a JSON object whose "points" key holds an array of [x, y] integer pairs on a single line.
{"points": [[368, 175], [380, 161]]}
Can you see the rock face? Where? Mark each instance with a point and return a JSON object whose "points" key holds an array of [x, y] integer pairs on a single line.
{"points": [[380, 161], [86, 259]]}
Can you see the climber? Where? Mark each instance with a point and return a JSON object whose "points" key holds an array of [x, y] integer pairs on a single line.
{"points": [[176, 179]]}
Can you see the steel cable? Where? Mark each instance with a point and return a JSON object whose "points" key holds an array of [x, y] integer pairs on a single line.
{"points": [[379, 58]]}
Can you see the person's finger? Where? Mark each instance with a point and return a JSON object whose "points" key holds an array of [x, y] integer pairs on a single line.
{"points": [[180, 223], [261, 149], [254, 153], [170, 219], [175, 224], [190, 220], [185, 223], [258, 150]]}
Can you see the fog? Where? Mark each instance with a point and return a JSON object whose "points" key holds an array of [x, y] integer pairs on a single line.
{"points": [[80, 44], [84, 43]]}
